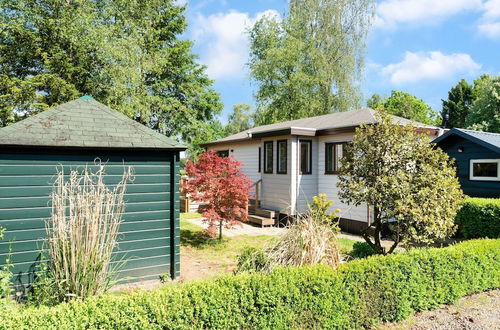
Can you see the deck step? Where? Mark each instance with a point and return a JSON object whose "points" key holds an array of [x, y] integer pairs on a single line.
{"points": [[265, 213], [263, 221]]}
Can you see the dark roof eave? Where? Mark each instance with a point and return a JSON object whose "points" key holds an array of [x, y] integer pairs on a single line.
{"points": [[466, 136], [69, 147]]}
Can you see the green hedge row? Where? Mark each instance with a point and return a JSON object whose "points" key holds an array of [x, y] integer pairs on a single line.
{"points": [[479, 217], [358, 294]]}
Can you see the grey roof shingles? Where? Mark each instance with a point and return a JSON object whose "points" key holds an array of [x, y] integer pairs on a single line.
{"points": [[84, 122], [489, 140], [329, 121]]}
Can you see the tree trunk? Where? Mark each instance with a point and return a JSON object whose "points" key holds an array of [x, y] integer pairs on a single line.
{"points": [[378, 231], [220, 230]]}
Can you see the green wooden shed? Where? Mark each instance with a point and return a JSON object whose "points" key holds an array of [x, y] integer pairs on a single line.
{"points": [[73, 135]]}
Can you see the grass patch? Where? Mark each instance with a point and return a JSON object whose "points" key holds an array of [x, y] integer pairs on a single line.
{"points": [[345, 244], [196, 242], [190, 215]]}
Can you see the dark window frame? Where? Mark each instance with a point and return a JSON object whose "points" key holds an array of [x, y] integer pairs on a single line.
{"points": [[268, 169], [224, 153], [278, 157], [309, 142], [333, 146], [260, 160]]}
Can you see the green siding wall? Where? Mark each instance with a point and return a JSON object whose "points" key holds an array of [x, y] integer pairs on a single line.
{"points": [[474, 188], [149, 235]]}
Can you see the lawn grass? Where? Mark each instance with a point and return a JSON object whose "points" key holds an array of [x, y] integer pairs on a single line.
{"points": [[190, 215], [196, 242]]}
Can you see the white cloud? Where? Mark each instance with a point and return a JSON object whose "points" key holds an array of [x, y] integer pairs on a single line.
{"points": [[489, 24], [491, 30], [392, 12], [224, 41], [429, 66], [492, 9]]}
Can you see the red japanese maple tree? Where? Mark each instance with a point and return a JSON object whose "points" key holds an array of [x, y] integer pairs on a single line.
{"points": [[219, 182]]}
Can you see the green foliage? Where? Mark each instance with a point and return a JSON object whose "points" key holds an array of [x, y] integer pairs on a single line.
{"points": [[320, 211], [404, 105], [241, 119], [361, 250], [457, 107], [485, 112], [5, 275], [397, 171], [358, 294], [126, 54], [479, 217], [251, 260], [309, 62]]}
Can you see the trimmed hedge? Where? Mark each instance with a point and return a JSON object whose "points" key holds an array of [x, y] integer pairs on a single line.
{"points": [[479, 217], [358, 294]]}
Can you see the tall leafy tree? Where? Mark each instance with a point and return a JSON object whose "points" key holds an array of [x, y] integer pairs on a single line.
{"points": [[126, 54], [310, 62], [411, 185], [404, 105], [485, 112], [241, 119], [458, 105]]}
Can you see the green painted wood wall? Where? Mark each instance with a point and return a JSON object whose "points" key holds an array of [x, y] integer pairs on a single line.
{"points": [[149, 235], [471, 150]]}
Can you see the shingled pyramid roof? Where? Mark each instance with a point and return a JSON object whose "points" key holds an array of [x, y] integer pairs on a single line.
{"points": [[84, 122]]}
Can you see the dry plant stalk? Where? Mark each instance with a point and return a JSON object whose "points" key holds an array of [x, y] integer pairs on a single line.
{"points": [[306, 242], [83, 229]]}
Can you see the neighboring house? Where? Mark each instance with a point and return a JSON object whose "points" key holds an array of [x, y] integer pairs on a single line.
{"points": [[71, 136], [477, 156], [295, 160]]}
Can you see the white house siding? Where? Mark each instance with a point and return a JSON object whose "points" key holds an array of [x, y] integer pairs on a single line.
{"points": [[247, 154], [276, 188], [327, 183], [307, 184]]}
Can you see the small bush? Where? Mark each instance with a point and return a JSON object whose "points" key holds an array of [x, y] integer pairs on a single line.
{"points": [[354, 295], [479, 217], [251, 260], [5, 275], [361, 250]]}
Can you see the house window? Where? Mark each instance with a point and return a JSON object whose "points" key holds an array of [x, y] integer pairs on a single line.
{"points": [[282, 157], [485, 169], [333, 154], [305, 156], [223, 153], [260, 159], [268, 157]]}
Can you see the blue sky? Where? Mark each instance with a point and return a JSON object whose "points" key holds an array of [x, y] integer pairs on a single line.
{"points": [[420, 46]]}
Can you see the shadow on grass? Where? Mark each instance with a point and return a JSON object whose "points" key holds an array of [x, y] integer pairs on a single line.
{"points": [[199, 239]]}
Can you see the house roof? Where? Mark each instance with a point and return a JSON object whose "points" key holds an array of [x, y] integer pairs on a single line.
{"points": [[336, 120], [84, 122], [485, 139]]}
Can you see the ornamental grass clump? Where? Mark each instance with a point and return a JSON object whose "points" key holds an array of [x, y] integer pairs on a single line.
{"points": [[306, 242], [82, 233], [309, 240]]}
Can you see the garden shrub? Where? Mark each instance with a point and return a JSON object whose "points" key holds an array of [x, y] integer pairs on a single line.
{"points": [[357, 294], [361, 250], [5, 275], [479, 217], [251, 260]]}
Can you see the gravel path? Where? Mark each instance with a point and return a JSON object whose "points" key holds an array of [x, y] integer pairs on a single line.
{"points": [[476, 312]]}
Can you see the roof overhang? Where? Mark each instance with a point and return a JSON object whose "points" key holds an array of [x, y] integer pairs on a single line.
{"points": [[456, 132], [90, 147]]}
